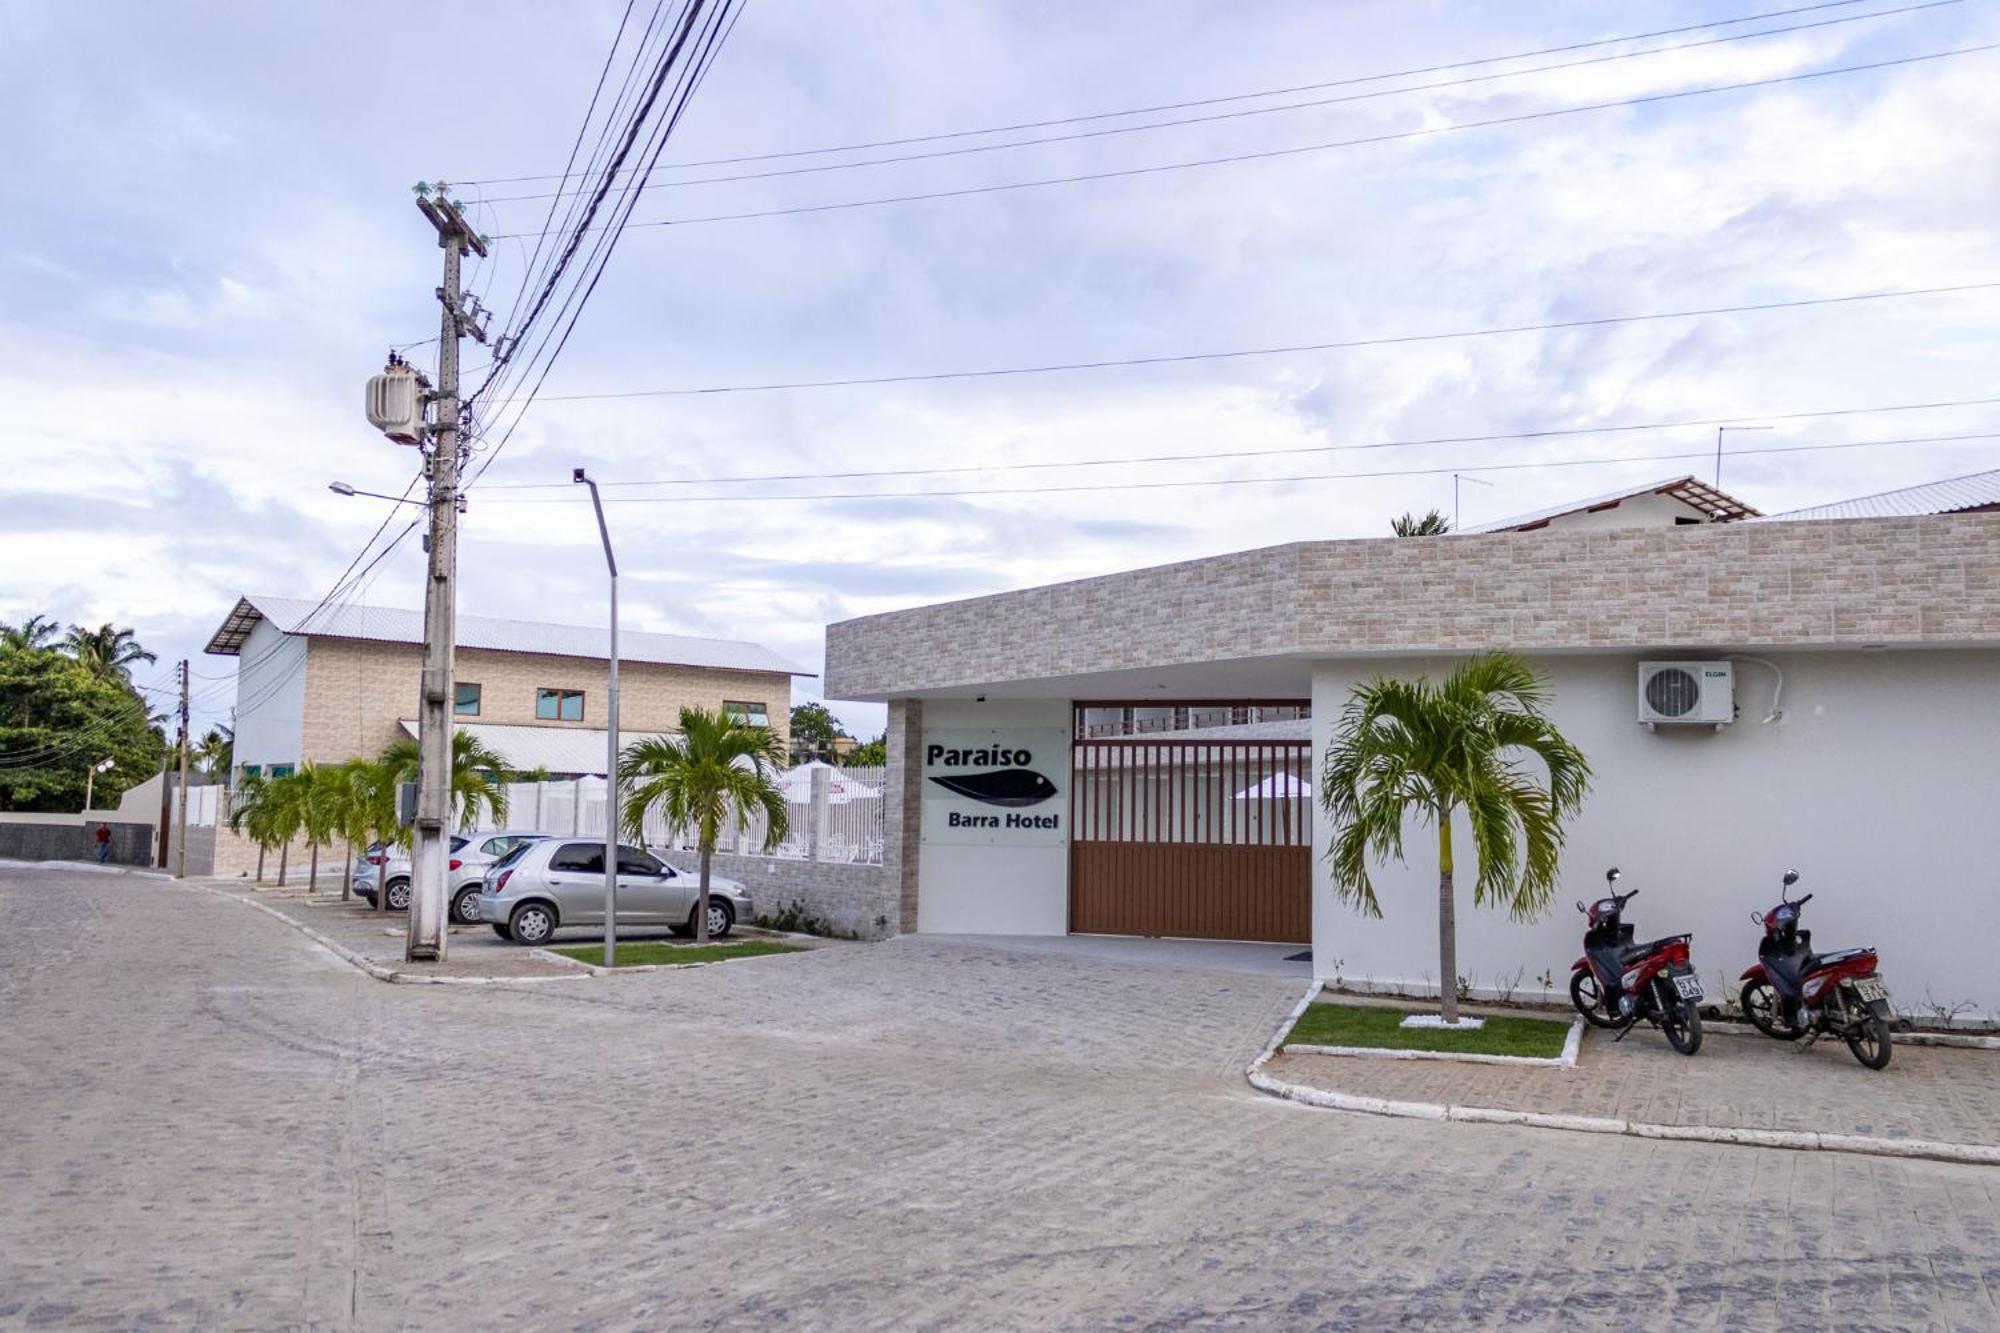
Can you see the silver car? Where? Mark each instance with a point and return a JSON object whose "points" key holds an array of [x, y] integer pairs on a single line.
{"points": [[548, 885], [470, 857]]}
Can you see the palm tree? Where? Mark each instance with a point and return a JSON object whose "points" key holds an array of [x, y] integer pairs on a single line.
{"points": [[715, 767], [1432, 524], [215, 751], [368, 815], [1407, 748], [31, 634], [476, 776], [107, 651], [276, 815], [248, 815]]}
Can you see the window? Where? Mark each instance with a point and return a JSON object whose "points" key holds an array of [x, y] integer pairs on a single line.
{"points": [[559, 705], [583, 858], [282, 770], [252, 770], [466, 702], [632, 861], [749, 714]]}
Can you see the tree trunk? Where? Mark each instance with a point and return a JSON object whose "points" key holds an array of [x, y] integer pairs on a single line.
{"points": [[701, 901], [382, 881], [284, 858], [312, 877], [347, 875], [1447, 924], [260, 862]]}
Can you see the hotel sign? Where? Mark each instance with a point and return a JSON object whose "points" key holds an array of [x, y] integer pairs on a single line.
{"points": [[997, 787]]}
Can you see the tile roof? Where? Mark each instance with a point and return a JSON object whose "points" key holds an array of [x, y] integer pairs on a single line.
{"points": [[1978, 490], [388, 625], [1687, 489]]}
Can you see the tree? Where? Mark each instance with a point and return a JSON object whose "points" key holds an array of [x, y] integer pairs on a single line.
{"points": [[249, 815], [57, 720], [366, 813], [215, 751], [272, 812], [1406, 749], [869, 754], [813, 730], [1432, 524], [716, 766], [476, 776], [28, 636], [107, 651]]}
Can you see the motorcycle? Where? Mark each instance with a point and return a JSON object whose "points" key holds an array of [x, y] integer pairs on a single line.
{"points": [[1793, 992], [1617, 982]]}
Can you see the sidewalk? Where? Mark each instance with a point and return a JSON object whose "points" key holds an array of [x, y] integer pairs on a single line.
{"points": [[1736, 1082]]}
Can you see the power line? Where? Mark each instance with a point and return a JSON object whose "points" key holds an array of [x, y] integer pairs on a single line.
{"points": [[1440, 470], [1350, 81], [1300, 149], [1244, 113], [1348, 344], [1229, 454]]}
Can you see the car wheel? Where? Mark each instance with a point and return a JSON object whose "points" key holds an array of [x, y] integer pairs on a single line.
{"points": [[465, 907], [531, 924], [399, 895], [721, 916], [500, 929]]}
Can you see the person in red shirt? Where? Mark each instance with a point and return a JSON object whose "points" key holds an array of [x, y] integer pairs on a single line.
{"points": [[103, 843]]}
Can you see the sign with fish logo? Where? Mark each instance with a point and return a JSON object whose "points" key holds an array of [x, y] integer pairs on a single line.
{"points": [[1006, 787]]}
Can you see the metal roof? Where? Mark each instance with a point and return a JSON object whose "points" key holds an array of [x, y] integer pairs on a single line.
{"points": [[388, 625], [1719, 505], [1978, 490], [557, 750]]}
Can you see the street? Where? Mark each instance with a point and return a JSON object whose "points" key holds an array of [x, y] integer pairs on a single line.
{"points": [[211, 1122]]}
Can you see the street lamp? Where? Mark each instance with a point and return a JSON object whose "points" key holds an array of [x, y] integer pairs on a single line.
{"points": [[342, 488], [90, 780], [579, 478]]}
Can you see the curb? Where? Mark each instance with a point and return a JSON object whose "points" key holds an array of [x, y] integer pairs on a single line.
{"points": [[1966, 1154], [1567, 1060], [599, 970], [1964, 1041], [360, 960]]}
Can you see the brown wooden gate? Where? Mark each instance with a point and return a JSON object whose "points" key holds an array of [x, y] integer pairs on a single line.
{"points": [[1190, 837]]}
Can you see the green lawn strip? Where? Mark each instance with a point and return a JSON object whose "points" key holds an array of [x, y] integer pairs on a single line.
{"points": [[649, 953], [1372, 1025]]}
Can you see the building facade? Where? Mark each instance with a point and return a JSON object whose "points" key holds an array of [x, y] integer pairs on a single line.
{"points": [[1859, 747], [322, 686]]}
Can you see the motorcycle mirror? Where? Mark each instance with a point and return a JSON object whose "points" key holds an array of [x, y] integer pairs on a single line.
{"points": [[1791, 878], [1580, 907], [1611, 875]]}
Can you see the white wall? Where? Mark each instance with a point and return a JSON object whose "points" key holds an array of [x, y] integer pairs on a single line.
{"points": [[270, 697], [1644, 511], [994, 889], [1881, 785]]}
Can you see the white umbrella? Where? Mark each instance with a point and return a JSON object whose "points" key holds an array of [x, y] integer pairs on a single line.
{"points": [[840, 789], [1283, 785]]}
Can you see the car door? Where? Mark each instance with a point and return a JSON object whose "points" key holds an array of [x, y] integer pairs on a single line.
{"points": [[575, 878], [643, 889]]}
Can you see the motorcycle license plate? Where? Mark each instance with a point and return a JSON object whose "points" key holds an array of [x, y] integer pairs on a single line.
{"points": [[1870, 989], [1688, 985]]}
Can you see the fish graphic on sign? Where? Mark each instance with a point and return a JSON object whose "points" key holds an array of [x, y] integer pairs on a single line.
{"points": [[1005, 786]]}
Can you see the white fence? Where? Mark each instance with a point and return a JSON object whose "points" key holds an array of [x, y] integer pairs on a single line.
{"points": [[833, 814]]}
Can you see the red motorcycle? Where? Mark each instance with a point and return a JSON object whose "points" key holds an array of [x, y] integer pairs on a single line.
{"points": [[1617, 982], [1793, 992]]}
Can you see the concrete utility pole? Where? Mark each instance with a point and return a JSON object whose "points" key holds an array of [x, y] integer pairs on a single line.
{"points": [[431, 854], [611, 742], [181, 833]]}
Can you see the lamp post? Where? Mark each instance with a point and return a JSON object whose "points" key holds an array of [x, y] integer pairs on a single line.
{"points": [[90, 781], [579, 477]]}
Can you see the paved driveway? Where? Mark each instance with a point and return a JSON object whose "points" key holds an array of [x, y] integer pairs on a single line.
{"points": [[210, 1122]]}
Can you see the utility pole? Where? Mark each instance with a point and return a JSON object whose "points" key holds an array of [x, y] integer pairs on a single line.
{"points": [[611, 806], [431, 854], [181, 834]]}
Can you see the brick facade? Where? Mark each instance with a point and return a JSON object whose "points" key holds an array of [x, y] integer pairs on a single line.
{"points": [[1931, 580], [357, 692]]}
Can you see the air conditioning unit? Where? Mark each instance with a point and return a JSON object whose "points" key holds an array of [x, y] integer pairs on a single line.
{"points": [[396, 405], [1687, 694]]}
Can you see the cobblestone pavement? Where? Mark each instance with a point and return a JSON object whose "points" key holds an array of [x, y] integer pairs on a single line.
{"points": [[1743, 1081], [210, 1122]]}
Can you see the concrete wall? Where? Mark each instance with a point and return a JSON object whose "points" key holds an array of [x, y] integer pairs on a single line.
{"points": [[1880, 785], [131, 844], [859, 899], [356, 691], [270, 697], [994, 889]]}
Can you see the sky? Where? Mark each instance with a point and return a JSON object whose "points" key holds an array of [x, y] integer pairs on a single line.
{"points": [[209, 243]]}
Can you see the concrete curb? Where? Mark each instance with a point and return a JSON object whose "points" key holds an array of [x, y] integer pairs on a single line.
{"points": [[86, 867], [1567, 1060], [598, 970], [1964, 1041], [360, 960], [1967, 1154]]}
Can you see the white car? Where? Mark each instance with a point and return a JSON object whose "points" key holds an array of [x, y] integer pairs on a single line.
{"points": [[470, 856], [557, 882]]}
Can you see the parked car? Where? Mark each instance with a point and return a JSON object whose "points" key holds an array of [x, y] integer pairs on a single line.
{"points": [[548, 885], [470, 856]]}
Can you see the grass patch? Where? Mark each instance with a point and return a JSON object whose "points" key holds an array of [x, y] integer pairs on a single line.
{"points": [[648, 953], [1373, 1025]]}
